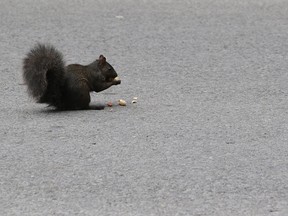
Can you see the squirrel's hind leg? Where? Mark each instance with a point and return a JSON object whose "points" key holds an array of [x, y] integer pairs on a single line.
{"points": [[77, 100]]}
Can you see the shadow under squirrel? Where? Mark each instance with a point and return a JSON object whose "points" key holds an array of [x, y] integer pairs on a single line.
{"points": [[65, 87]]}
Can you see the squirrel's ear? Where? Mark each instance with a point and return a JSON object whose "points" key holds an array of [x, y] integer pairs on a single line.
{"points": [[102, 60]]}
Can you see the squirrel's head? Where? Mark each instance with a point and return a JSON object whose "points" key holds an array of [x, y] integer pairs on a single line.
{"points": [[106, 69]]}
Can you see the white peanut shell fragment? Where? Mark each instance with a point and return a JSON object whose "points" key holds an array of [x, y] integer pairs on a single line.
{"points": [[134, 100], [116, 78]]}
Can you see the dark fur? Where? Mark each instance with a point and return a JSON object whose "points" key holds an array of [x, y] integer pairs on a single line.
{"points": [[64, 87]]}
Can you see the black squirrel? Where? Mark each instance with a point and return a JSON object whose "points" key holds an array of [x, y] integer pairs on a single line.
{"points": [[65, 87]]}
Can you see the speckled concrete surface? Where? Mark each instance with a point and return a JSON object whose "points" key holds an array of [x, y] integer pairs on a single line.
{"points": [[208, 135]]}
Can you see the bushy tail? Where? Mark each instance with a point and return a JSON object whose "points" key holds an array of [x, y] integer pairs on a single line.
{"points": [[43, 72]]}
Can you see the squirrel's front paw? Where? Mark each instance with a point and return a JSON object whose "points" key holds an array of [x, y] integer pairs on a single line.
{"points": [[117, 82]]}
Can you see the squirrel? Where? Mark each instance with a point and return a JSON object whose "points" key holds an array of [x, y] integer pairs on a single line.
{"points": [[64, 87]]}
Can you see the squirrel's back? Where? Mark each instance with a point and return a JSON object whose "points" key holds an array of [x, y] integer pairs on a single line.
{"points": [[44, 72]]}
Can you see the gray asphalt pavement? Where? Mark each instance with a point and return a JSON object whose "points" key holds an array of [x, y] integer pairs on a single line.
{"points": [[208, 135]]}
